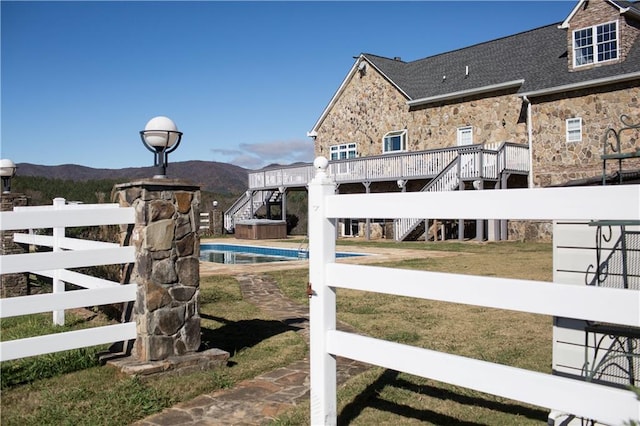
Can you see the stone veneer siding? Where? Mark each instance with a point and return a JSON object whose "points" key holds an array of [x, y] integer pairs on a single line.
{"points": [[166, 267], [554, 160], [12, 285], [494, 119], [370, 106]]}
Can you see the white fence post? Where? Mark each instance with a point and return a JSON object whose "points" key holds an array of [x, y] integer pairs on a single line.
{"points": [[322, 305], [58, 284]]}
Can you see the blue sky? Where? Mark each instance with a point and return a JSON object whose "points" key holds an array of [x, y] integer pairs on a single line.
{"points": [[244, 81]]}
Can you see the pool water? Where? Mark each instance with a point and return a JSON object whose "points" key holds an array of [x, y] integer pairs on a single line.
{"points": [[235, 254]]}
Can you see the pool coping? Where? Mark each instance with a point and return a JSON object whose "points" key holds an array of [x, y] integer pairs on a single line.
{"points": [[375, 255]]}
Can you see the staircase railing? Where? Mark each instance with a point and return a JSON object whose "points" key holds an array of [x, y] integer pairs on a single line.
{"points": [[447, 180], [473, 162], [242, 208]]}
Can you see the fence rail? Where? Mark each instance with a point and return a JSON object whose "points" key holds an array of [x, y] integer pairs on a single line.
{"points": [[67, 253], [588, 400]]}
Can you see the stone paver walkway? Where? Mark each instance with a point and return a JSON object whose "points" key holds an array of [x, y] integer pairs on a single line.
{"points": [[257, 401]]}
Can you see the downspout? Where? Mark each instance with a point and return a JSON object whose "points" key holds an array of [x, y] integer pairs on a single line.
{"points": [[529, 139]]}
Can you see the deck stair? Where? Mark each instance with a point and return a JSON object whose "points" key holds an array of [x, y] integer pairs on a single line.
{"points": [[447, 180], [247, 203]]}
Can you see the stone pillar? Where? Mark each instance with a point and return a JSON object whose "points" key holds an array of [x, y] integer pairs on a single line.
{"points": [[216, 222], [12, 284], [166, 267]]}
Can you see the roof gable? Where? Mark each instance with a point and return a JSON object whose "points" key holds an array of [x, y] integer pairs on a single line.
{"points": [[624, 7], [379, 65]]}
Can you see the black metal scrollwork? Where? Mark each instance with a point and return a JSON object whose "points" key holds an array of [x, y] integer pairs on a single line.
{"points": [[612, 146]]}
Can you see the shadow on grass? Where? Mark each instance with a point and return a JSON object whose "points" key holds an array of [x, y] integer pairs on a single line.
{"points": [[370, 398], [236, 335]]}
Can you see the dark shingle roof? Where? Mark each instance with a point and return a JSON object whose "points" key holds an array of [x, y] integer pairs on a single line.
{"points": [[539, 57], [628, 4]]}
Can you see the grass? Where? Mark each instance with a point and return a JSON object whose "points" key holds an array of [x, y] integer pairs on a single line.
{"points": [[96, 395], [517, 339], [70, 388]]}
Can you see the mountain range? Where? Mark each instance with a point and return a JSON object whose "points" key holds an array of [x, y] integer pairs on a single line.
{"points": [[210, 175]]}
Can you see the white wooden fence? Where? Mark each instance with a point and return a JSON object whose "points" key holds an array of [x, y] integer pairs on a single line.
{"points": [[67, 253], [204, 222], [589, 400]]}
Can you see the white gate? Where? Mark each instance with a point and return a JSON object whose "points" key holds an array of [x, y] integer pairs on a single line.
{"points": [[589, 400], [67, 253]]}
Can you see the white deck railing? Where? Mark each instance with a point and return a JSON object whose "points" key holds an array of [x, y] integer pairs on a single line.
{"points": [[584, 399], [67, 253], [481, 162]]}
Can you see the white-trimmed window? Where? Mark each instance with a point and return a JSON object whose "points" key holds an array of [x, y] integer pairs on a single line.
{"points": [[395, 141], [465, 135], [574, 129], [596, 44], [342, 152]]}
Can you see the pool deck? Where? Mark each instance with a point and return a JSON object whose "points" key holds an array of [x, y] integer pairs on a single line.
{"points": [[377, 255]]}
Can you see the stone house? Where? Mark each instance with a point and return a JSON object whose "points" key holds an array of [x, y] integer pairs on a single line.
{"points": [[554, 88], [529, 109]]}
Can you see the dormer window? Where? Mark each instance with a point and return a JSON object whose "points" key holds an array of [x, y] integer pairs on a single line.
{"points": [[593, 45]]}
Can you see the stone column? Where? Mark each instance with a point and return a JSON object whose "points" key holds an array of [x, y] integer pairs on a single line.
{"points": [[216, 222], [166, 267], [12, 284]]}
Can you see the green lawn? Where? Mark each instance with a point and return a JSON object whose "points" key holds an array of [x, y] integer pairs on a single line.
{"points": [[71, 388]]}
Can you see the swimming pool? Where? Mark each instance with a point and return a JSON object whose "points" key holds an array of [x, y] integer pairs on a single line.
{"points": [[237, 254]]}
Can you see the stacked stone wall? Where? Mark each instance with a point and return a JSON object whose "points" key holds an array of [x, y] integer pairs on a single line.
{"points": [[494, 119], [166, 267], [556, 161], [370, 107], [12, 284]]}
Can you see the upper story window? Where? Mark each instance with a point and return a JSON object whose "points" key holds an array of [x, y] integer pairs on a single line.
{"points": [[342, 152], [595, 44], [395, 141], [465, 135], [574, 129]]}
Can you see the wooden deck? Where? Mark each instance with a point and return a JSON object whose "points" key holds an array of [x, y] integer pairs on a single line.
{"points": [[446, 169], [476, 162]]}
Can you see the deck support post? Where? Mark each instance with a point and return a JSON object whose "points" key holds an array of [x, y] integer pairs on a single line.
{"points": [[283, 203], [461, 221], [367, 229], [479, 222], [504, 231]]}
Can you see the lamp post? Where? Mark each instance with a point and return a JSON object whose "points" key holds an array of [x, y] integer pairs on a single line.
{"points": [[7, 171], [161, 136]]}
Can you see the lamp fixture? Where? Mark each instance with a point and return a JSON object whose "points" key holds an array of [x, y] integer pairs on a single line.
{"points": [[362, 68], [7, 171], [161, 136]]}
